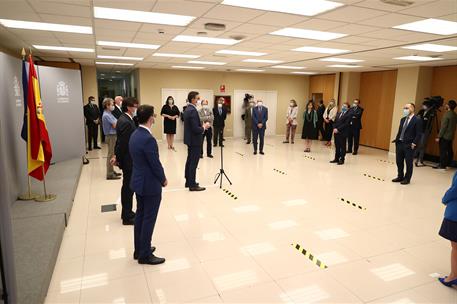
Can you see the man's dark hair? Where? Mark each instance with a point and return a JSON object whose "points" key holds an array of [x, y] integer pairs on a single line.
{"points": [[129, 102], [452, 104], [191, 96], [321, 102], [91, 97], [144, 112]]}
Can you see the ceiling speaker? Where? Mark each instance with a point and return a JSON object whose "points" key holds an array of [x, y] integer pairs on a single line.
{"points": [[398, 2], [214, 26]]}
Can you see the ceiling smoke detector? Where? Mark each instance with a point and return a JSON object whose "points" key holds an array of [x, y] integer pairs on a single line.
{"points": [[238, 37], [214, 26], [398, 2]]}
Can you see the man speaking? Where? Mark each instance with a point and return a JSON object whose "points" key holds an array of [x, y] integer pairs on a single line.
{"points": [[193, 137]]}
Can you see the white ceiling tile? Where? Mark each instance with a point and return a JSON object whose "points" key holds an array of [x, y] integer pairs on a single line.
{"points": [[351, 14], [119, 35], [451, 17], [55, 8], [66, 38], [153, 38], [278, 19], [138, 52], [255, 29], [319, 24], [140, 5], [187, 8], [390, 20], [167, 29], [238, 14], [389, 7], [116, 25], [354, 40], [384, 33], [434, 9], [354, 29], [66, 19]]}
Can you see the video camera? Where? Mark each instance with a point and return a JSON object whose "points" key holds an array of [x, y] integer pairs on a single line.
{"points": [[248, 97], [434, 102]]}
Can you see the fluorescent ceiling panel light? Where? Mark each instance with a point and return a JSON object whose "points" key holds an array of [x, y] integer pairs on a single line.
{"points": [[63, 48], [304, 73], [175, 55], [349, 66], [128, 45], [119, 57], [262, 61], [417, 58], [187, 67], [113, 63], [312, 49], [431, 26], [288, 67], [240, 53], [207, 40], [307, 34], [249, 70], [305, 8], [141, 16], [344, 60], [43, 26], [430, 47], [207, 62]]}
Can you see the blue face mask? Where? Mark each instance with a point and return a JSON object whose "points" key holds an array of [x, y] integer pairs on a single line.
{"points": [[405, 112], [344, 109]]}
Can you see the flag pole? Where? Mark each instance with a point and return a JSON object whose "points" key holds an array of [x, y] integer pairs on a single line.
{"points": [[45, 197], [29, 195]]}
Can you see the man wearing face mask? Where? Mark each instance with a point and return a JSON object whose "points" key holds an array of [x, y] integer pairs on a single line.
{"points": [[220, 114], [148, 178], [206, 116], [340, 131], [259, 125], [355, 127], [124, 129], [193, 138], [109, 129], [117, 112], [446, 135], [92, 115], [408, 137]]}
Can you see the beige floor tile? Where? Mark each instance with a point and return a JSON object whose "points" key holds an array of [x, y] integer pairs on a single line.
{"points": [[259, 293]]}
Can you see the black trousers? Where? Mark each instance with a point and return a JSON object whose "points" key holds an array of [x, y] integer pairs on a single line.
{"points": [[340, 146], [320, 128], [258, 135], [353, 139], [126, 195], [145, 220], [193, 156], [92, 135], [208, 135], [218, 135], [328, 131], [404, 155], [446, 152]]}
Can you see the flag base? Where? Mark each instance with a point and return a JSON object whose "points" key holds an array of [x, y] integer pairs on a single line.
{"points": [[45, 198], [27, 197]]}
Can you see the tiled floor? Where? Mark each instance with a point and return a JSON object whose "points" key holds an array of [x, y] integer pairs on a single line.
{"points": [[225, 250]]}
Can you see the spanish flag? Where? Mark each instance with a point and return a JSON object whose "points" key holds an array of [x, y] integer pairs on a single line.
{"points": [[39, 152]]}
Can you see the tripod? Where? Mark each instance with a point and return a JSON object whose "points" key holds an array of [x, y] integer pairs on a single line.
{"points": [[221, 173]]}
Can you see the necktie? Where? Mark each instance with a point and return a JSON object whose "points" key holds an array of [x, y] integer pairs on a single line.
{"points": [[403, 130], [220, 111]]}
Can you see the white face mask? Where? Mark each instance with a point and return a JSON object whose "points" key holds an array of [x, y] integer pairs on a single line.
{"points": [[259, 103], [111, 108], [134, 113], [291, 104], [219, 105], [199, 102], [206, 106]]}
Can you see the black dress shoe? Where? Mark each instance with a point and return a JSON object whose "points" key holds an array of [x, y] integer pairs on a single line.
{"points": [[98, 148], [187, 186], [113, 177], [335, 161], [354, 153], [201, 156], [255, 152], [341, 162], [210, 156], [214, 145], [197, 188], [129, 222], [221, 146], [118, 174], [135, 256], [261, 152], [248, 143], [349, 151], [439, 167], [398, 179], [404, 182], [152, 260], [90, 149]]}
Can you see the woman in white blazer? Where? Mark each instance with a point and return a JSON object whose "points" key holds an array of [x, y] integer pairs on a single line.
{"points": [[291, 121], [329, 117]]}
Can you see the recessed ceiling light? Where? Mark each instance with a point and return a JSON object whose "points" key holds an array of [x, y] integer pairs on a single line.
{"points": [[417, 58], [288, 67], [307, 34], [207, 62], [43, 26], [207, 40], [430, 47], [141, 16], [119, 57], [240, 53], [249, 70], [304, 73], [63, 48], [432, 26], [175, 55], [113, 63], [344, 60], [305, 8], [262, 61], [349, 66], [129, 45], [312, 49], [187, 67]]}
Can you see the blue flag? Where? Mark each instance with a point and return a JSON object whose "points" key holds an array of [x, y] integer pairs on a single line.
{"points": [[25, 89]]}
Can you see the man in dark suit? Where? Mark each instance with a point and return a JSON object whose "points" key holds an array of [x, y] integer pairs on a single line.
{"points": [[355, 127], [340, 131], [259, 125], [148, 178], [408, 137], [320, 118], [92, 115], [117, 107], [124, 129], [193, 137], [220, 115]]}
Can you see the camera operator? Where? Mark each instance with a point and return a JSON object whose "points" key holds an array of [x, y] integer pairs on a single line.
{"points": [[248, 104], [446, 135], [426, 114]]}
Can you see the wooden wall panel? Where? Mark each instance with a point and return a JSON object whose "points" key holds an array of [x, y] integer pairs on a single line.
{"points": [[324, 84], [444, 84], [377, 96]]}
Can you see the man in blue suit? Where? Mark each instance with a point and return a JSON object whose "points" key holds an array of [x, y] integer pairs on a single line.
{"points": [[259, 124], [193, 138], [148, 178], [341, 130], [408, 137]]}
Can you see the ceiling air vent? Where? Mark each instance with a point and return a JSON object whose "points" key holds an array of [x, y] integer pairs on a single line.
{"points": [[214, 26], [110, 48], [398, 2]]}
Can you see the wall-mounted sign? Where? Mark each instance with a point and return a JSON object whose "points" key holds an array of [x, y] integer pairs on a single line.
{"points": [[63, 94]]}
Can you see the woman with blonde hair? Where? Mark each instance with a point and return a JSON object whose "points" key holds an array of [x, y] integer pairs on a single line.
{"points": [[329, 117], [291, 121]]}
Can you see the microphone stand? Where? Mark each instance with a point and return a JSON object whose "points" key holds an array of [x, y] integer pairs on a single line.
{"points": [[220, 176]]}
